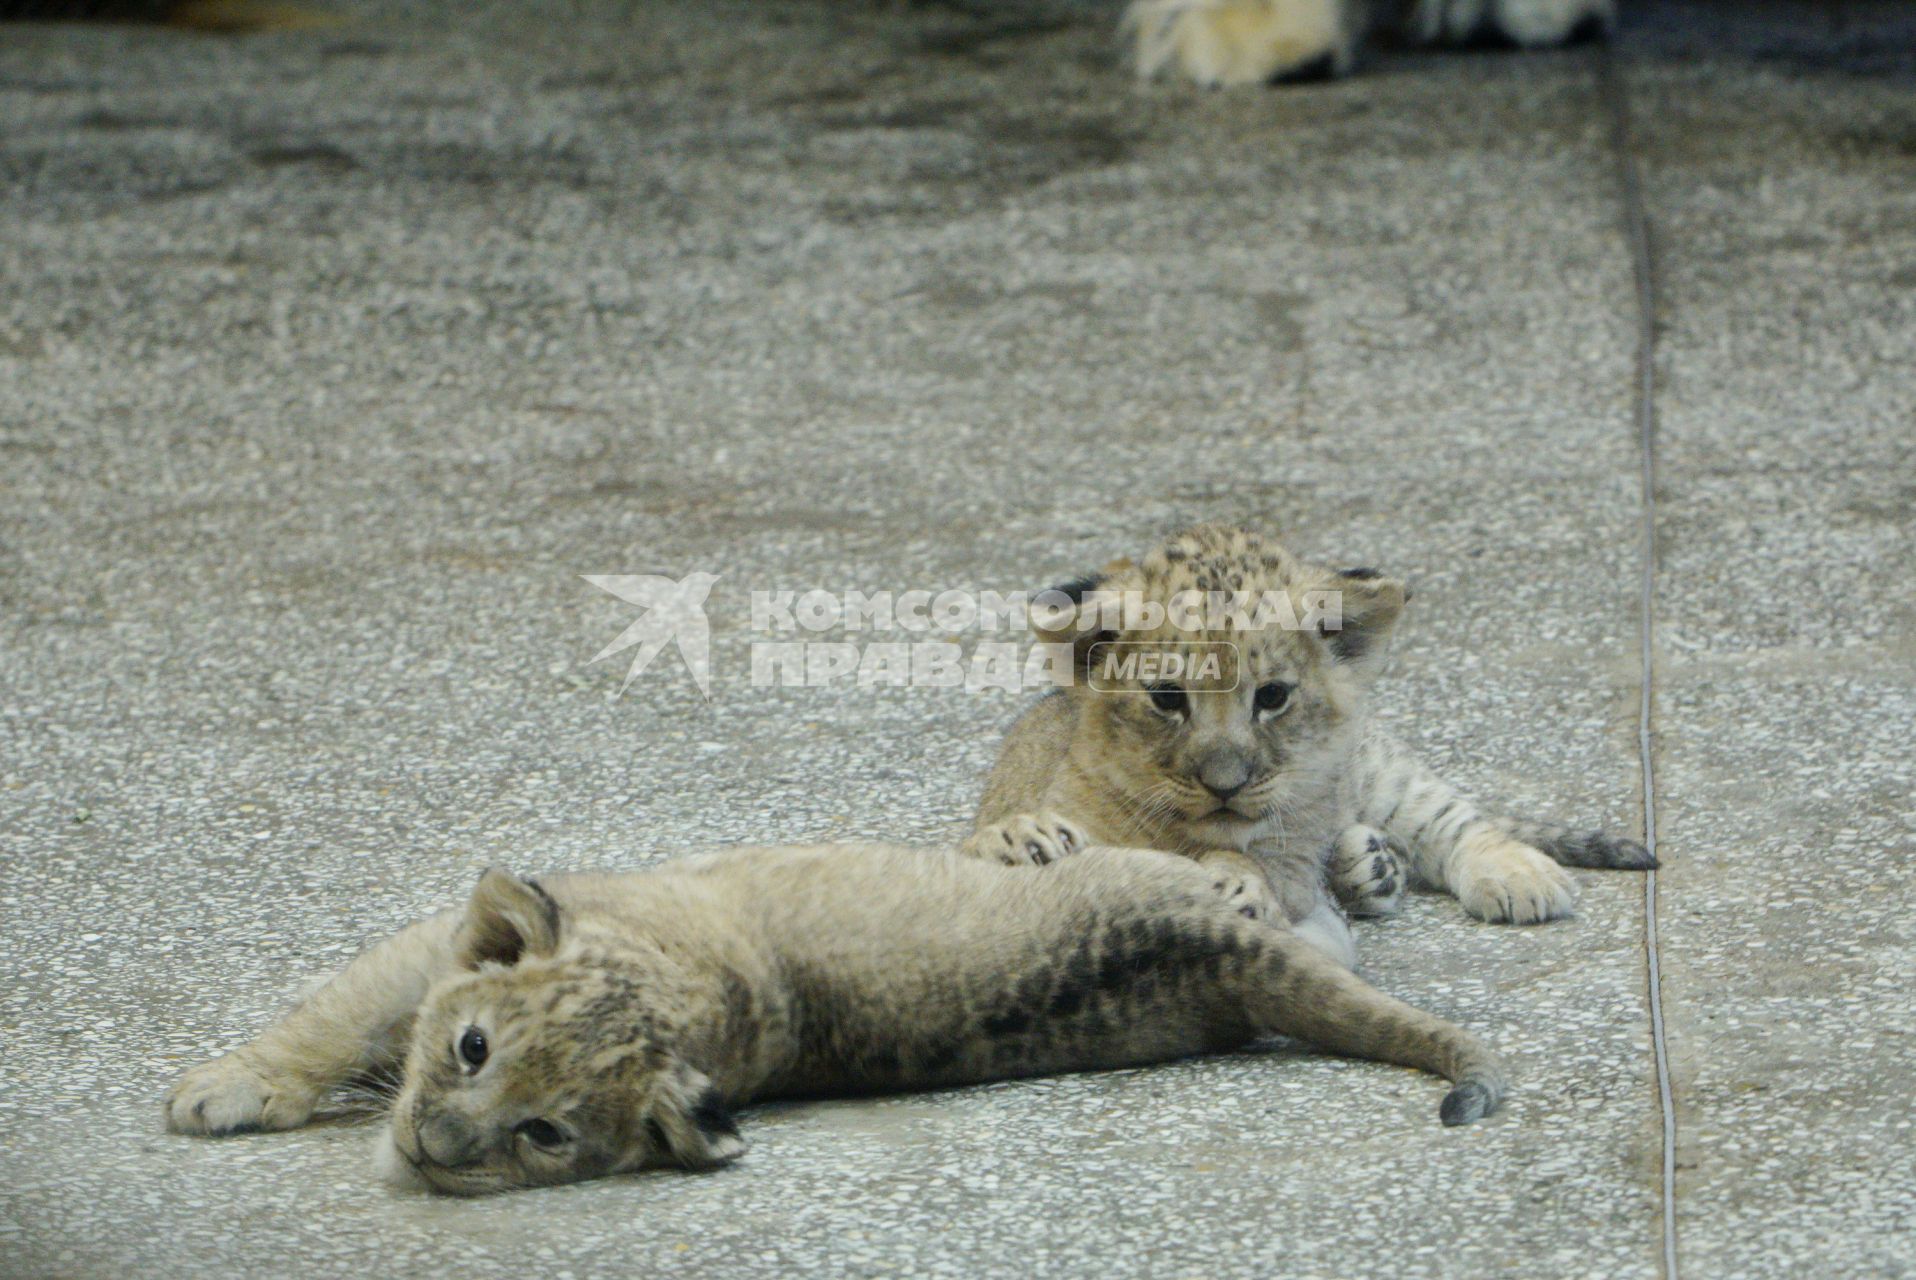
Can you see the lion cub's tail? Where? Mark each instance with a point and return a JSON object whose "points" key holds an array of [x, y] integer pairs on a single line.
{"points": [[1572, 847], [1314, 999]]}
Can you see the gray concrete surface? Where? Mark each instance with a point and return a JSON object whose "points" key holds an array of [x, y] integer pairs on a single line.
{"points": [[330, 359]]}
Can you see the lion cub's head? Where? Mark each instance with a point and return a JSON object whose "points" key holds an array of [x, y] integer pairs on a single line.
{"points": [[547, 1060], [1218, 681]]}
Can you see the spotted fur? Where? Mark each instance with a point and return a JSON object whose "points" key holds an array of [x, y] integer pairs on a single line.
{"points": [[1329, 807], [618, 1018]]}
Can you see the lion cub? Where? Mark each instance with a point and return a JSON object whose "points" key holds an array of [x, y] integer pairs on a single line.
{"points": [[1263, 766], [590, 1024]]}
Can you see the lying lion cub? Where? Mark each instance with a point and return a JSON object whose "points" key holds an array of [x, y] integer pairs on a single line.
{"points": [[591, 1024]]}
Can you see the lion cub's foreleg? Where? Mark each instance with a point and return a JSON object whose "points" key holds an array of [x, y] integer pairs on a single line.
{"points": [[359, 1022]]}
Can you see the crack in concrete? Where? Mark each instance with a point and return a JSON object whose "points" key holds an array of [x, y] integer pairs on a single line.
{"points": [[1643, 271]]}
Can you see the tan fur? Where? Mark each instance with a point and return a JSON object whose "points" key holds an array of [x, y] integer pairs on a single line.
{"points": [[1323, 793], [619, 1015]]}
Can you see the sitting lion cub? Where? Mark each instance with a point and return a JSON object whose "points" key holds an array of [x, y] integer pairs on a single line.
{"points": [[592, 1024], [1264, 765]]}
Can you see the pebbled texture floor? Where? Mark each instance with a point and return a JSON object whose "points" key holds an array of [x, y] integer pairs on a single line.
{"points": [[330, 359]]}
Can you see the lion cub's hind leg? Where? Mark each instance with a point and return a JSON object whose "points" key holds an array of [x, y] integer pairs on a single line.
{"points": [[1368, 872]]}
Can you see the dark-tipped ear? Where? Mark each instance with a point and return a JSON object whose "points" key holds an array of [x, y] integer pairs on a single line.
{"points": [[1362, 608], [507, 920], [1070, 614], [689, 1122]]}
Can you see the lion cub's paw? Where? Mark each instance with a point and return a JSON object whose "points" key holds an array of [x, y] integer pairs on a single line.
{"points": [[230, 1095], [1367, 872], [1028, 840], [1240, 881], [1505, 882], [1250, 892]]}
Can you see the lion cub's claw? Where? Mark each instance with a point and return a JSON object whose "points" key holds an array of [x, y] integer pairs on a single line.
{"points": [[1511, 883], [1028, 840], [228, 1095]]}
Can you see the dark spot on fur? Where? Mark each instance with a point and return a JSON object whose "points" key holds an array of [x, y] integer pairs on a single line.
{"points": [[1009, 1023], [1379, 867], [1361, 574]]}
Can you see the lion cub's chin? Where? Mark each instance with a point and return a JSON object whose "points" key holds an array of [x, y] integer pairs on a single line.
{"points": [[393, 1168]]}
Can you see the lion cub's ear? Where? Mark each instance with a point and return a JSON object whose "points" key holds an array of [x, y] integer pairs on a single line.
{"points": [[507, 920], [1071, 613], [1370, 605], [689, 1122]]}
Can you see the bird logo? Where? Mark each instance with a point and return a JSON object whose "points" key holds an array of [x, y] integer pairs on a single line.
{"points": [[674, 614]]}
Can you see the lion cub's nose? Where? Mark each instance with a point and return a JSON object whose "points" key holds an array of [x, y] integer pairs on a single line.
{"points": [[447, 1140], [1224, 775]]}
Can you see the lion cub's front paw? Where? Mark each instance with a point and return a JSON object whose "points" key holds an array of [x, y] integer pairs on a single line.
{"points": [[230, 1095], [1505, 882], [1028, 840], [1367, 872]]}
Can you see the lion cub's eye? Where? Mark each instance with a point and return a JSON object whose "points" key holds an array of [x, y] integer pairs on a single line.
{"points": [[541, 1133], [1273, 697], [1166, 697], [473, 1048]]}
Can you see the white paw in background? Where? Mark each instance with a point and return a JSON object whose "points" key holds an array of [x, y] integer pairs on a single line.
{"points": [[1235, 42]]}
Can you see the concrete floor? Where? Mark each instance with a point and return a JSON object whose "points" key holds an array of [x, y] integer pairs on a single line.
{"points": [[330, 360]]}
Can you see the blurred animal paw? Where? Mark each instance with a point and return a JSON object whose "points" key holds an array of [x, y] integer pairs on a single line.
{"points": [[1527, 23], [1233, 42]]}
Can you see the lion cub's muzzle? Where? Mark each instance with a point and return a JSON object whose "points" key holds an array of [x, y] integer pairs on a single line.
{"points": [[448, 1140]]}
